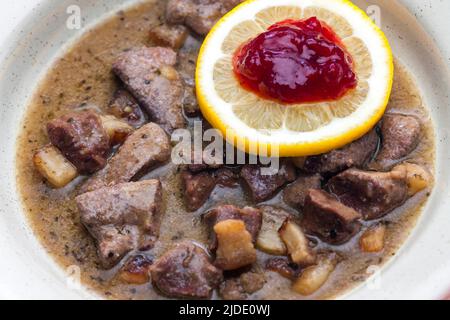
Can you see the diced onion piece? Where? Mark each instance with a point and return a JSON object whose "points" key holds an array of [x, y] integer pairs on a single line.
{"points": [[296, 243], [417, 177], [372, 239], [314, 277], [54, 167], [116, 129], [169, 72]]}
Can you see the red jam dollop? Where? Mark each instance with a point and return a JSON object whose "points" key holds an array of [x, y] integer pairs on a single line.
{"points": [[296, 61]]}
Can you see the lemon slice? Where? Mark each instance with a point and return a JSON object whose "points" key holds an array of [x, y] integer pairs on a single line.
{"points": [[258, 125]]}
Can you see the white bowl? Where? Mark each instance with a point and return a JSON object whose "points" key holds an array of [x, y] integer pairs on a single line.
{"points": [[34, 33]]}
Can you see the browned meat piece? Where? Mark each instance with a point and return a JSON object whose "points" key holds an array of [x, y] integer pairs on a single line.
{"points": [[400, 136], [122, 218], [200, 15], [284, 267], [252, 218], [295, 194], [227, 178], [356, 154], [186, 272], [231, 289], [373, 194], [144, 149], [252, 282], [187, 63], [82, 139], [124, 106], [172, 36], [197, 188], [136, 270], [149, 75], [240, 288], [328, 219], [203, 161], [263, 187]]}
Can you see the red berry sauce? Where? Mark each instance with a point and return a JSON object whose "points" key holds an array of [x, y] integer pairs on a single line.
{"points": [[296, 61]]}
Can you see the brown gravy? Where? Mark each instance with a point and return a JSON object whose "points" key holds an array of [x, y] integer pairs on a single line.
{"points": [[83, 74]]}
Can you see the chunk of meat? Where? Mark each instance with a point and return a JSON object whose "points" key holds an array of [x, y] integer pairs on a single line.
{"points": [[231, 289], [252, 218], [186, 272], [144, 149], [226, 177], [356, 154], [149, 75], [252, 282], [136, 270], [187, 63], [200, 15], [166, 35], [263, 187], [235, 248], [124, 106], [201, 161], [122, 218], [328, 219], [197, 188], [82, 139], [295, 194], [239, 288], [283, 267], [373, 194], [400, 136]]}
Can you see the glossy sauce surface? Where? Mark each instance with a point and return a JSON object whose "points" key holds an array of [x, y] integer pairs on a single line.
{"points": [[296, 61]]}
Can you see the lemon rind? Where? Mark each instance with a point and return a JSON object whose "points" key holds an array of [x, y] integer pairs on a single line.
{"points": [[248, 144]]}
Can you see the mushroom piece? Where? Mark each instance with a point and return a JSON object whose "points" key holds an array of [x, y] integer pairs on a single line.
{"points": [[314, 277], [296, 243], [269, 239]]}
